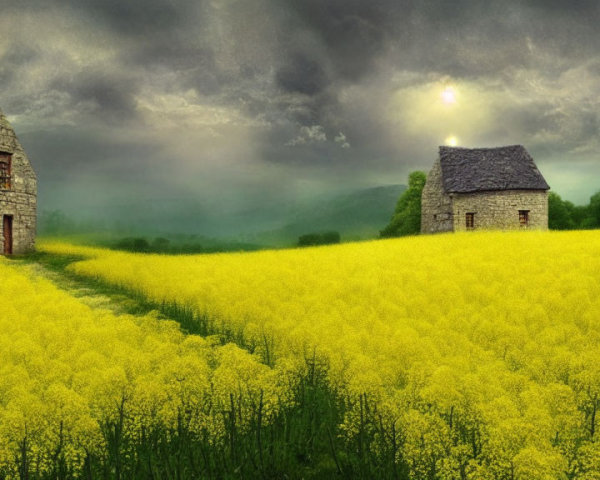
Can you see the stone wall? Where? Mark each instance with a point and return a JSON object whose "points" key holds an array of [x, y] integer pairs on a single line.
{"points": [[20, 200], [500, 209], [22, 207], [436, 206]]}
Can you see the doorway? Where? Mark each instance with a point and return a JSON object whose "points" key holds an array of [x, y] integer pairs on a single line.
{"points": [[7, 224]]}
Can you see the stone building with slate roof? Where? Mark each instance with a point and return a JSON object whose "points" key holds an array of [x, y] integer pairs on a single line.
{"points": [[484, 188], [18, 194]]}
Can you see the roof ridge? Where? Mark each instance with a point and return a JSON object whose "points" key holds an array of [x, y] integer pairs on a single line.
{"points": [[447, 147]]}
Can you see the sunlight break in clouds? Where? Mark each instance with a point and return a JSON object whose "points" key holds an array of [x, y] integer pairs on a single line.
{"points": [[449, 96]]}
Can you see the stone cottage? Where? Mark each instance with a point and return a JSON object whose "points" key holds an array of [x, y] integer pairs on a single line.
{"points": [[18, 194], [484, 188]]}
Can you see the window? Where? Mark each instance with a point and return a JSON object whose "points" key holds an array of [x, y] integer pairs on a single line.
{"points": [[523, 218], [470, 220], [5, 164]]}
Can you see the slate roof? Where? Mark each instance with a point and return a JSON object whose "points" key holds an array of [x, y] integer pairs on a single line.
{"points": [[483, 169]]}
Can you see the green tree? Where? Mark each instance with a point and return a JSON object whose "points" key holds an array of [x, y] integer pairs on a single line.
{"points": [[330, 237], [406, 219], [559, 214], [578, 213], [593, 218], [311, 239], [564, 215], [138, 244], [160, 244]]}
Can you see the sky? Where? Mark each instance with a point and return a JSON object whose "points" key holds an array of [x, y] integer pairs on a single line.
{"points": [[232, 106]]}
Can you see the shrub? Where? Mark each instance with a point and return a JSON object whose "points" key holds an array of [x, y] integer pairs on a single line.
{"points": [[312, 239]]}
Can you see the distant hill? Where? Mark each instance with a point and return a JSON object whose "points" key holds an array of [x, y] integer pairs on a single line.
{"points": [[355, 215]]}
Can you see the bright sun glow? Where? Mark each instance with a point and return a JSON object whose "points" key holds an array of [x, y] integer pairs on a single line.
{"points": [[449, 95], [451, 141]]}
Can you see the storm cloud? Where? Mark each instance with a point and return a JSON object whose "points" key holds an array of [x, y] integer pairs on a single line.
{"points": [[239, 104]]}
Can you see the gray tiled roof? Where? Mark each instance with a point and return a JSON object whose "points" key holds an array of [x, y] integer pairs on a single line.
{"points": [[479, 169]]}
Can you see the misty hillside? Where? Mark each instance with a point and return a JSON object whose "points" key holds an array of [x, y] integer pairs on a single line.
{"points": [[355, 215]]}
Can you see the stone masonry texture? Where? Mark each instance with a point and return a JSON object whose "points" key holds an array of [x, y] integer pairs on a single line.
{"points": [[20, 200], [436, 205], [500, 209]]}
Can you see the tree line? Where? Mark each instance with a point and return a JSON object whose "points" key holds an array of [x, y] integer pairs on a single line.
{"points": [[562, 214]]}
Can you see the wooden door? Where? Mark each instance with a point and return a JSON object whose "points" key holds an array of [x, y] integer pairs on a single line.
{"points": [[7, 231]]}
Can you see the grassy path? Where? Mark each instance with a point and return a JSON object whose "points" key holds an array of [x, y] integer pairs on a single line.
{"points": [[99, 294], [84, 291]]}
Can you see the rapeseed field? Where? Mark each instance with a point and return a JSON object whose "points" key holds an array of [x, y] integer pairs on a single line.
{"points": [[466, 356], [76, 383]]}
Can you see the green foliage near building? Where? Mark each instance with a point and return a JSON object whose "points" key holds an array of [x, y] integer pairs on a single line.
{"points": [[564, 215], [559, 213], [406, 219], [593, 216]]}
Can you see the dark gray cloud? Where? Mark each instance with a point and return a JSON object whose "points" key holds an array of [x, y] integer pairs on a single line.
{"points": [[108, 94], [82, 152], [14, 57], [232, 90], [301, 74], [147, 18], [353, 32], [582, 9]]}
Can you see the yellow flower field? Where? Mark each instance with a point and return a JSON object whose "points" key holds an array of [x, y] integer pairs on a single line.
{"points": [[475, 355], [68, 370]]}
